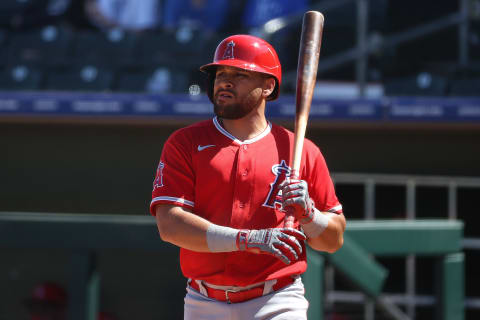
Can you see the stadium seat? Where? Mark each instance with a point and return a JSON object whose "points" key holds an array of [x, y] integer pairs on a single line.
{"points": [[8, 7], [421, 84], [185, 47], [468, 87], [20, 77], [161, 79], [80, 78], [110, 48], [3, 47], [40, 47]]}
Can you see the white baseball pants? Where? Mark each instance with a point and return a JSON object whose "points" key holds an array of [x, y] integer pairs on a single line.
{"points": [[288, 303]]}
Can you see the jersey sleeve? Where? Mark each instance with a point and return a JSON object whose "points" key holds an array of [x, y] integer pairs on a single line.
{"points": [[321, 188], [174, 179]]}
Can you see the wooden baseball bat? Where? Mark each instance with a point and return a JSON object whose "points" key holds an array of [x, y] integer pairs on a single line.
{"points": [[309, 53]]}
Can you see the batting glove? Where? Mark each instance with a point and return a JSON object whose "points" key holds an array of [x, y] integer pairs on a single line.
{"points": [[295, 196], [282, 243]]}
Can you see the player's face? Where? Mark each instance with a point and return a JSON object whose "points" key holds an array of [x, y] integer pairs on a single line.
{"points": [[237, 92]]}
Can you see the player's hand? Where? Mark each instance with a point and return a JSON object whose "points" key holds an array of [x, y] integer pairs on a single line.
{"points": [[295, 197], [282, 243]]}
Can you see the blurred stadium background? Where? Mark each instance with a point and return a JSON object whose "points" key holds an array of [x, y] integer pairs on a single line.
{"points": [[90, 90]]}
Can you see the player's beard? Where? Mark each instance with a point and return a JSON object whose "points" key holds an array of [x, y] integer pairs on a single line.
{"points": [[236, 110]]}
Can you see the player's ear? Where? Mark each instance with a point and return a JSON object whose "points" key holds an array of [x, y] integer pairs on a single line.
{"points": [[268, 86]]}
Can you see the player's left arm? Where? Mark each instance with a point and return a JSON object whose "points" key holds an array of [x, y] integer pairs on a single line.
{"points": [[324, 230], [315, 203], [331, 239]]}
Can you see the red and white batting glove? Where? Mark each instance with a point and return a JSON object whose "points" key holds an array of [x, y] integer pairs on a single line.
{"points": [[282, 243], [295, 195]]}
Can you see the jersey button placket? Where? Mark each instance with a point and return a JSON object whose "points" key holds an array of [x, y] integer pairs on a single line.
{"points": [[242, 186]]}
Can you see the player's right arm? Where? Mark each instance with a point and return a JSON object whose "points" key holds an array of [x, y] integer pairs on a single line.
{"points": [[181, 227], [185, 229]]}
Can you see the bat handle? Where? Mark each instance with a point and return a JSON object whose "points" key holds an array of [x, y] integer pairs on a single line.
{"points": [[289, 219]]}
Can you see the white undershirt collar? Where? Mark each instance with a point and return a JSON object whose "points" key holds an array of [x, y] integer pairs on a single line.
{"points": [[237, 141]]}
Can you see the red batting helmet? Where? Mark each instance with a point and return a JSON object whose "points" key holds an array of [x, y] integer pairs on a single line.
{"points": [[248, 53]]}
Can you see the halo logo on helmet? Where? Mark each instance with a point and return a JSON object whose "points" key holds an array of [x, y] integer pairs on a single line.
{"points": [[229, 51], [248, 53]]}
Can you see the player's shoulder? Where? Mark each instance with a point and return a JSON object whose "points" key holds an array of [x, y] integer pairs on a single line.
{"points": [[192, 131], [279, 131], [197, 126]]}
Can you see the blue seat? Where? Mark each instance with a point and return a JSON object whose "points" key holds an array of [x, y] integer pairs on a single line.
{"points": [[468, 87], [421, 84], [20, 77], [40, 47], [159, 79], [79, 78], [110, 48], [183, 47]]}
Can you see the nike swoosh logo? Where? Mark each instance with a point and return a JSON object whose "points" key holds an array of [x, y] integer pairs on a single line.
{"points": [[200, 148]]}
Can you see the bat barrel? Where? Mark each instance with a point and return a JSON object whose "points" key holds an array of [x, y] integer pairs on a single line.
{"points": [[309, 53], [310, 45]]}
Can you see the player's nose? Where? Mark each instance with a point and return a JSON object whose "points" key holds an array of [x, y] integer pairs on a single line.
{"points": [[225, 86], [224, 83]]}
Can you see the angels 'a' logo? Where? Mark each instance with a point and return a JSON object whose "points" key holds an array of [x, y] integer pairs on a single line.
{"points": [[228, 54], [159, 178], [281, 171]]}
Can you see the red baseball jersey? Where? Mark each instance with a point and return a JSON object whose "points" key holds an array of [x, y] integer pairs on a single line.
{"points": [[235, 183]]}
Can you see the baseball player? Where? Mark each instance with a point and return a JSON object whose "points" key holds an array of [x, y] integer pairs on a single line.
{"points": [[221, 190]]}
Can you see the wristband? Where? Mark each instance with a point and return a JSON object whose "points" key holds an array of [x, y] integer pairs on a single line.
{"points": [[307, 216], [317, 225], [221, 239], [242, 238]]}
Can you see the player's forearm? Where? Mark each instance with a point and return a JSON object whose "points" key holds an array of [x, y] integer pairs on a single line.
{"points": [[182, 228], [189, 231], [331, 238]]}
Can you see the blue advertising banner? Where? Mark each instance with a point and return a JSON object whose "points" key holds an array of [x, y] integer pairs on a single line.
{"points": [[396, 109]]}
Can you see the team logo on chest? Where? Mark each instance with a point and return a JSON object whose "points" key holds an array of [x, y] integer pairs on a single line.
{"points": [[228, 54], [281, 171], [159, 178]]}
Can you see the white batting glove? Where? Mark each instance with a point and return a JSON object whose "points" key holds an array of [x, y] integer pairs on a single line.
{"points": [[295, 195], [283, 243]]}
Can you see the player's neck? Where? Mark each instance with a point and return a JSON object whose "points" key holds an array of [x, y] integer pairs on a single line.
{"points": [[247, 127]]}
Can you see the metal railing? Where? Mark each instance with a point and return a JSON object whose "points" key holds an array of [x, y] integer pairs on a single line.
{"points": [[369, 182], [367, 43]]}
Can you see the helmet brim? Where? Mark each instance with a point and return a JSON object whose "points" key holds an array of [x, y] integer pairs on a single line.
{"points": [[243, 65], [236, 63]]}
